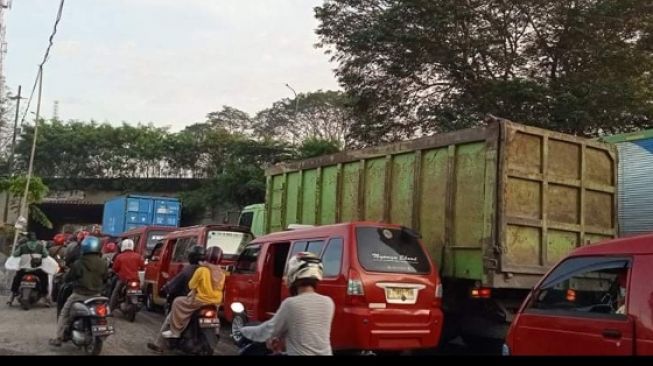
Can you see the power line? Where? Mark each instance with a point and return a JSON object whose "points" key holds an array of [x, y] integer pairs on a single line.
{"points": [[45, 58]]}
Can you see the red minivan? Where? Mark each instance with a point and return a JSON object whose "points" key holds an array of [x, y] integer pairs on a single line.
{"points": [[146, 237], [386, 288], [597, 301], [170, 256]]}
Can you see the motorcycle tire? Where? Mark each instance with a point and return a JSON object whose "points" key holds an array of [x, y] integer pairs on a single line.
{"points": [[24, 299], [130, 315], [95, 348]]}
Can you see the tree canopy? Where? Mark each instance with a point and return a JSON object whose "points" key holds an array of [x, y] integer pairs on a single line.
{"points": [[576, 66]]}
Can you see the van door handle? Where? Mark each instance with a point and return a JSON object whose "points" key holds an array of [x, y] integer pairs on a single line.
{"points": [[612, 333]]}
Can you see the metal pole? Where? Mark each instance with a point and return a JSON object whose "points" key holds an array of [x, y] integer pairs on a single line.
{"points": [[296, 108], [13, 149], [30, 167]]}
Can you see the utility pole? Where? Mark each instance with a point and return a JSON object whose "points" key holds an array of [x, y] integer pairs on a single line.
{"points": [[296, 108], [17, 98]]}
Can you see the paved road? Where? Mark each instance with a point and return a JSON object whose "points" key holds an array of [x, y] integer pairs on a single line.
{"points": [[27, 332]]}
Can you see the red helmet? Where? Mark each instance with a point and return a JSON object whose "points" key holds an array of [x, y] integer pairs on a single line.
{"points": [[59, 239], [213, 255], [81, 235], [109, 248]]}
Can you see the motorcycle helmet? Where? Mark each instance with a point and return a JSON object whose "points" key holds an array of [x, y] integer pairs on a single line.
{"points": [[90, 245], [196, 254], [304, 266], [59, 239], [214, 255], [127, 244]]}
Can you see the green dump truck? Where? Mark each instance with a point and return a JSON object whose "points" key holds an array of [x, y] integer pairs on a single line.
{"points": [[496, 207]]}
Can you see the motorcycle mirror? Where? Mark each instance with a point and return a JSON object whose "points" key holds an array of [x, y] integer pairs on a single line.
{"points": [[237, 307]]}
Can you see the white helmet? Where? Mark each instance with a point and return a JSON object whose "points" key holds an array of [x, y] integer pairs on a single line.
{"points": [[304, 265], [127, 244]]}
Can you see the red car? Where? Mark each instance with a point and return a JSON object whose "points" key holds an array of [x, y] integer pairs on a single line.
{"points": [[597, 301], [170, 256], [385, 287], [145, 237]]}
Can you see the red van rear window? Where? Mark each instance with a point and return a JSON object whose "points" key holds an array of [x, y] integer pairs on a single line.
{"points": [[390, 250]]}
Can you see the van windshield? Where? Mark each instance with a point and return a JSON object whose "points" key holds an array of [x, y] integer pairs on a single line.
{"points": [[390, 250], [231, 242], [154, 237]]}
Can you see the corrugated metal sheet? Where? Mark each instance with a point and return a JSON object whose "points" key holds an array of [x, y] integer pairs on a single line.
{"points": [[636, 187]]}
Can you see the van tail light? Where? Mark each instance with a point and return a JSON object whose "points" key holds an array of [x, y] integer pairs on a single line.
{"points": [[355, 291], [481, 293]]}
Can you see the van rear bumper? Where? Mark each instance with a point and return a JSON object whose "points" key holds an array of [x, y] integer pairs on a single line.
{"points": [[391, 329]]}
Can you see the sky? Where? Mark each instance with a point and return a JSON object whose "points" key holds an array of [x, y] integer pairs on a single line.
{"points": [[163, 61]]}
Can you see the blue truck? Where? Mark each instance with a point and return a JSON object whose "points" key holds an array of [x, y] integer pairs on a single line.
{"points": [[131, 211]]}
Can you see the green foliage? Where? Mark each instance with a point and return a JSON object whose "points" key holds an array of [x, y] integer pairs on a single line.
{"points": [[315, 147], [412, 67], [36, 193]]}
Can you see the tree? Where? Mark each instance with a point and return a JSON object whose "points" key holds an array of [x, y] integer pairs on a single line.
{"points": [[15, 186], [314, 147], [324, 115], [412, 67], [230, 119]]}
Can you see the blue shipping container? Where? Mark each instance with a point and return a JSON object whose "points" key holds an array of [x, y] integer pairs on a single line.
{"points": [[128, 212]]}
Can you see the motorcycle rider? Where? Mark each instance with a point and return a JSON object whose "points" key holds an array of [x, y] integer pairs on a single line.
{"points": [[73, 249], [206, 286], [36, 251], [126, 267], [303, 321], [178, 285], [87, 274], [57, 248]]}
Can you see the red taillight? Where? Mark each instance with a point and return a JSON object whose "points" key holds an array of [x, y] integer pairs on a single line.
{"points": [[29, 278], [134, 284], [571, 295], [481, 293], [101, 310], [208, 313]]}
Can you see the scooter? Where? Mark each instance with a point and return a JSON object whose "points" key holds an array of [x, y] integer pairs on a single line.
{"points": [[202, 334], [131, 300], [89, 326], [29, 292], [246, 347]]}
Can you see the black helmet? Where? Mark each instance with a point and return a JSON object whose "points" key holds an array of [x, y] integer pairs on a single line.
{"points": [[214, 255], [196, 254]]}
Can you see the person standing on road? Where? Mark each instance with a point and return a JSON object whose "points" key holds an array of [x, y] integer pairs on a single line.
{"points": [[303, 321], [87, 275], [126, 268]]}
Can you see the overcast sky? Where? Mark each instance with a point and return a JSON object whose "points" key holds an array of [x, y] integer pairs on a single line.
{"points": [[164, 61]]}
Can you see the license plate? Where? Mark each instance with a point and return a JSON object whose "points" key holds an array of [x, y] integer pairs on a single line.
{"points": [[400, 294], [209, 323], [28, 284], [134, 292], [102, 330]]}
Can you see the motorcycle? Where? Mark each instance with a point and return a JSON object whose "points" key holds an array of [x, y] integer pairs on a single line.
{"points": [[246, 346], [29, 292], [89, 326], [202, 334], [131, 300]]}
